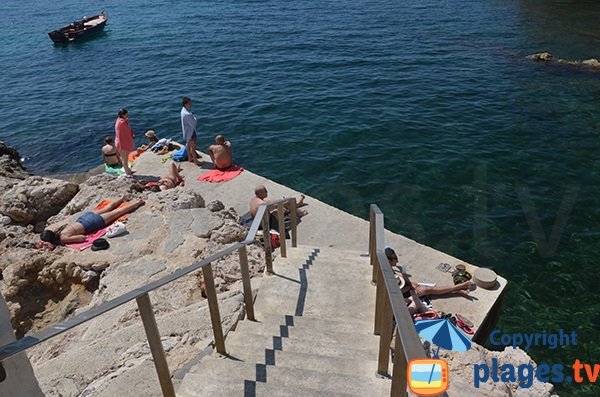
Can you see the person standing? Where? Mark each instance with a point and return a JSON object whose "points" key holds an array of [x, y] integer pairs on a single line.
{"points": [[188, 126], [124, 139]]}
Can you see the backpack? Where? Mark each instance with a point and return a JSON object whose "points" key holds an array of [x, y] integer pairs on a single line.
{"points": [[180, 155]]}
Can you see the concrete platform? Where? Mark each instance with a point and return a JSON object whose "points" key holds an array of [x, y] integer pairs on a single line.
{"points": [[326, 226]]}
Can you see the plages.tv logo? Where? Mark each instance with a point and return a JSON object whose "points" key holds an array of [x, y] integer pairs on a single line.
{"points": [[525, 374], [427, 376]]}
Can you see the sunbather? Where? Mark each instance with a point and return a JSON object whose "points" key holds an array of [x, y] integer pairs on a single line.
{"points": [[172, 179], [261, 197], [110, 154], [220, 153], [422, 290], [88, 223], [152, 140]]}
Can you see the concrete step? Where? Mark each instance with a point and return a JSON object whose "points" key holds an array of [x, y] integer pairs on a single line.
{"points": [[249, 388], [325, 364], [251, 346], [358, 337], [330, 324], [213, 371]]}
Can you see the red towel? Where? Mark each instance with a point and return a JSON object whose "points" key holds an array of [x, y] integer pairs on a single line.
{"points": [[134, 155], [221, 176], [89, 240], [105, 202]]}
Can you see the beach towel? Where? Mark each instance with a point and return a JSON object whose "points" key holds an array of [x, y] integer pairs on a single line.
{"points": [[115, 170], [134, 155], [221, 176], [89, 240], [105, 202]]}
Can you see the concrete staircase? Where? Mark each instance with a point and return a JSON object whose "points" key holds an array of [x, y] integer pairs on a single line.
{"points": [[313, 335]]}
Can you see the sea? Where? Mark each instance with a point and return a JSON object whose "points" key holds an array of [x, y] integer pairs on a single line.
{"points": [[430, 109]]}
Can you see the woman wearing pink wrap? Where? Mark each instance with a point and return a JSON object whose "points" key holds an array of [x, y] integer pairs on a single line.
{"points": [[124, 139]]}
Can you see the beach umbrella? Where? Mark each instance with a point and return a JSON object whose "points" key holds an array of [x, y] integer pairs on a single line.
{"points": [[444, 334]]}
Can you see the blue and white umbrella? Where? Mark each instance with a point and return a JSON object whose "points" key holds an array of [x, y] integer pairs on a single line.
{"points": [[444, 334]]}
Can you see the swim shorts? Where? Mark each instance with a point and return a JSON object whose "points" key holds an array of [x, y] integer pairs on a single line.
{"points": [[91, 222]]}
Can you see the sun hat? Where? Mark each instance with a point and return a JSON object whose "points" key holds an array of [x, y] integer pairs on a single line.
{"points": [[100, 244], [150, 134], [485, 278]]}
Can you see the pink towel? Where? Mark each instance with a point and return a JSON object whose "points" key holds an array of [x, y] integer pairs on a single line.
{"points": [[89, 240], [221, 176]]}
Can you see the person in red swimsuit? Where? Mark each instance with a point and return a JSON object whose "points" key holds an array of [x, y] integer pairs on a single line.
{"points": [[124, 139]]}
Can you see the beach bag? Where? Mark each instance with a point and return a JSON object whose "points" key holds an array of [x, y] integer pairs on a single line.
{"points": [[180, 155], [275, 243]]}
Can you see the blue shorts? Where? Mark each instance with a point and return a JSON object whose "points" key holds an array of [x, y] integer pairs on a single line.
{"points": [[91, 222]]}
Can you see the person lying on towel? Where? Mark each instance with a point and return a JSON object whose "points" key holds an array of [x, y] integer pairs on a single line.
{"points": [[88, 223], [169, 181]]}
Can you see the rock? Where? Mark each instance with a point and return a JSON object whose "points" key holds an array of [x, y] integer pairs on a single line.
{"points": [[10, 152], [542, 56], [10, 165], [204, 222], [463, 375], [5, 220], [229, 233], [180, 199], [592, 65], [36, 199], [591, 62], [215, 206]]}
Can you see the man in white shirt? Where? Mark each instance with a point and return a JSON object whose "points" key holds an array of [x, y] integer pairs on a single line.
{"points": [[188, 126]]}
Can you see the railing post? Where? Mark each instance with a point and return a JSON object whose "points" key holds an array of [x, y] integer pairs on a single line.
{"points": [[248, 299], [156, 347], [213, 307], [294, 213], [266, 227], [385, 337], [380, 299], [372, 246], [399, 380], [281, 222]]}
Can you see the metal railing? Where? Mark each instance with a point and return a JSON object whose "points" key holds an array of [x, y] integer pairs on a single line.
{"points": [[390, 305], [145, 306]]}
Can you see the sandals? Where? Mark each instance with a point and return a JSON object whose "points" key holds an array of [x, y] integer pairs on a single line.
{"points": [[445, 267], [428, 315], [460, 321], [464, 324]]}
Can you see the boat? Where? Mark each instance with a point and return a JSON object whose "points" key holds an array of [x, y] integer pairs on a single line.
{"points": [[80, 29]]}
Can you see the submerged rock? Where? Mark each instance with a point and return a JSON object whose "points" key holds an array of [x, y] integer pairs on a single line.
{"points": [[592, 65]]}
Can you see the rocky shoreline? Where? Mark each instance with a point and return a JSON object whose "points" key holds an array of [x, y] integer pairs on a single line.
{"points": [[44, 287]]}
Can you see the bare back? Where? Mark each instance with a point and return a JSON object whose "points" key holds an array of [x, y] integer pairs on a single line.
{"points": [[110, 155], [255, 202], [221, 155]]}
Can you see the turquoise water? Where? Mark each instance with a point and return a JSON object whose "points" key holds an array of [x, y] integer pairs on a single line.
{"points": [[427, 108]]}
